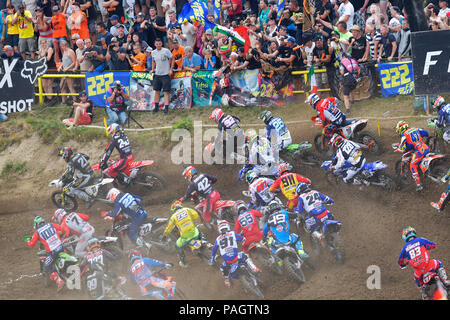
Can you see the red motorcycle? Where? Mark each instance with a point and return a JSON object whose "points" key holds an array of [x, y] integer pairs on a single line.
{"points": [[136, 173], [434, 287], [222, 210]]}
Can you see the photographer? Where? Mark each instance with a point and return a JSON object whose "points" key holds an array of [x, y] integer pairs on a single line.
{"points": [[116, 98], [119, 59], [26, 31]]}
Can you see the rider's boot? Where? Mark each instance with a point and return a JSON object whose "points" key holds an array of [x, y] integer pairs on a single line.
{"points": [[55, 277], [416, 177], [140, 243], [182, 261], [124, 178], [227, 281], [443, 276], [252, 265], [438, 205]]}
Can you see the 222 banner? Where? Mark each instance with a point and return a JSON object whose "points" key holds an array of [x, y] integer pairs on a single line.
{"points": [[97, 83], [396, 78]]}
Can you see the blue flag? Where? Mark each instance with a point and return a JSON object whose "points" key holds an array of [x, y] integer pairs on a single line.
{"points": [[280, 8], [195, 10], [217, 5]]}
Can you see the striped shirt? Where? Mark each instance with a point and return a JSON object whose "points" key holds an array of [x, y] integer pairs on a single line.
{"points": [[371, 39]]}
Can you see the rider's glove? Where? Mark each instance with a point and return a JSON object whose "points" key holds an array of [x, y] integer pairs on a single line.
{"points": [[104, 216], [168, 265]]}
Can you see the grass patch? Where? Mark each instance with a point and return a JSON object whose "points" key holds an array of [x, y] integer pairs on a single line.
{"points": [[184, 124], [11, 169]]}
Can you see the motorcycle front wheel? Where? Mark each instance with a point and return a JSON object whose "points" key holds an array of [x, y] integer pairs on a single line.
{"points": [[321, 144], [64, 201], [294, 272], [368, 139]]}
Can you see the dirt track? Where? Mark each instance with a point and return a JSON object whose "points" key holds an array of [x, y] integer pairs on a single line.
{"points": [[372, 224]]}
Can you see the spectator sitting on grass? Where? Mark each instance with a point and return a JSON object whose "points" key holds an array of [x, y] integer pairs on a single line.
{"points": [[83, 110]]}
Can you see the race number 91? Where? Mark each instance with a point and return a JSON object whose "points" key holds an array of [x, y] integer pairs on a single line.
{"points": [[99, 84]]}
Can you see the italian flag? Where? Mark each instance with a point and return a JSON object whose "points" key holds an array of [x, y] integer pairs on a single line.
{"points": [[231, 33], [312, 80]]}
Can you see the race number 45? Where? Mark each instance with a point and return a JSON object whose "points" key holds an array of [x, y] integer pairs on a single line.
{"points": [[99, 84]]}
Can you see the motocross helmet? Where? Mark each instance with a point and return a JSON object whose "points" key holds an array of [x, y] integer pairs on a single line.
{"points": [[302, 188], [113, 194], [38, 222], [113, 129], [313, 99], [59, 215], [274, 205], [176, 206], [438, 103], [223, 226], [93, 243], [284, 167], [133, 255], [336, 140], [216, 114], [401, 127], [240, 206], [251, 136], [408, 232], [65, 153], [265, 116], [189, 172], [250, 177]]}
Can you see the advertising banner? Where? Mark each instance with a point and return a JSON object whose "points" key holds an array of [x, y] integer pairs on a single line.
{"points": [[97, 83], [396, 78]]}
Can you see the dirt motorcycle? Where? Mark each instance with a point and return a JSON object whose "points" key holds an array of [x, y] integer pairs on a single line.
{"points": [[290, 260], [329, 237], [109, 243], [150, 231], [249, 280], [222, 210], [430, 166], [436, 142], [372, 173], [353, 131], [102, 285], [135, 173], [262, 255], [434, 288], [67, 200], [65, 264], [300, 153], [199, 247], [160, 294]]}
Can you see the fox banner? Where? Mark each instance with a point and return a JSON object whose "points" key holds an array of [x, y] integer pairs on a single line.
{"points": [[98, 83], [396, 78]]}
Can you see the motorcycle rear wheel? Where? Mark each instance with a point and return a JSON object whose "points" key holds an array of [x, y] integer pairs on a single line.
{"points": [[249, 286], [369, 140], [71, 203], [403, 172], [322, 147], [389, 183], [152, 181]]}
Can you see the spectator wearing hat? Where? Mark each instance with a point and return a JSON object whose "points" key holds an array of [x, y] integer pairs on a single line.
{"points": [[178, 56], [58, 22], [9, 54], [120, 61], [162, 70], [358, 45], [112, 47], [148, 54], [286, 55], [77, 22], [192, 61], [26, 31], [121, 36], [187, 34], [114, 20], [83, 111], [89, 8], [138, 28]]}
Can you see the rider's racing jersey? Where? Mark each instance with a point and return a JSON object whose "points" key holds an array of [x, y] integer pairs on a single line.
{"points": [[328, 111], [121, 142], [227, 245], [349, 152], [261, 152], [415, 252], [259, 191], [129, 204], [230, 125], [287, 183], [248, 223], [312, 202], [444, 116], [78, 162], [202, 183], [77, 223], [140, 271], [277, 126], [48, 236], [183, 219], [412, 140]]}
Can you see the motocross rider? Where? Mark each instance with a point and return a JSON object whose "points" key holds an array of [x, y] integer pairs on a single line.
{"points": [[311, 208], [202, 184], [277, 228], [80, 162], [226, 242], [78, 225], [415, 252], [248, 222], [329, 112], [347, 152], [440, 205], [182, 218], [287, 181], [259, 190], [121, 142], [276, 129], [141, 274], [412, 139], [229, 124], [94, 256], [443, 119], [47, 234], [130, 205]]}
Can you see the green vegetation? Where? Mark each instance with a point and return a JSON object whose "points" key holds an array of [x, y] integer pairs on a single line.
{"points": [[12, 169]]}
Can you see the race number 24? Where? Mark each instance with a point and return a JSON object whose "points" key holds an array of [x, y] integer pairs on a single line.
{"points": [[395, 77], [99, 84]]}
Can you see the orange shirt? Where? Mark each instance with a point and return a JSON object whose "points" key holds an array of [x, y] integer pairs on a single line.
{"points": [[178, 57], [84, 30], [287, 183], [59, 26], [142, 58]]}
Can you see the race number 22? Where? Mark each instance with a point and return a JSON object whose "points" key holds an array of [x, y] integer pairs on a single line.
{"points": [[99, 84]]}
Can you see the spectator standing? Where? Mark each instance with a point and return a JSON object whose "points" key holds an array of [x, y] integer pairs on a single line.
{"points": [[345, 12], [43, 26], [46, 6], [115, 25], [3, 26], [358, 44], [121, 36], [234, 10], [114, 7], [12, 28], [322, 58], [45, 50], [168, 7], [69, 62], [404, 43], [263, 16], [188, 34], [373, 38], [86, 63], [444, 9], [138, 27], [120, 61], [26, 32], [388, 47], [161, 69], [89, 8], [158, 24], [104, 36], [192, 61], [77, 22], [148, 61], [58, 22], [199, 30], [178, 56], [326, 13]]}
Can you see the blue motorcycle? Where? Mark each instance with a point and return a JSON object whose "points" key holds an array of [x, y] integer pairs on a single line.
{"points": [[248, 279], [372, 173]]}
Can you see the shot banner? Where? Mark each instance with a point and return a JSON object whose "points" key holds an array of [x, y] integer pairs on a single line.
{"points": [[431, 61], [396, 78], [202, 85], [97, 83], [142, 94]]}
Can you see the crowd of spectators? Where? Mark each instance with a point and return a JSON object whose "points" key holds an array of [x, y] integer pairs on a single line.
{"points": [[87, 35]]}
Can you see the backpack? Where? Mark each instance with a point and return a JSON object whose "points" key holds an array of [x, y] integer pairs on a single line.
{"points": [[352, 77]]}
